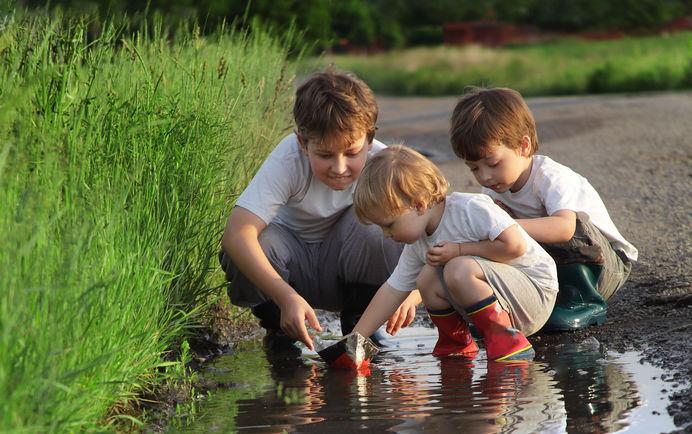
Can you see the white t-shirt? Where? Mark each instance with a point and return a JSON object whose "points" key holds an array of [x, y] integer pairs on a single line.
{"points": [[466, 218], [285, 191], [552, 187]]}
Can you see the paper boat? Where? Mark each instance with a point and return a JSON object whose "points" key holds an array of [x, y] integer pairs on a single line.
{"points": [[353, 351]]}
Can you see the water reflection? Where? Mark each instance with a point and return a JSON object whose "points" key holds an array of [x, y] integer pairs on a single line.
{"points": [[596, 394], [572, 388]]}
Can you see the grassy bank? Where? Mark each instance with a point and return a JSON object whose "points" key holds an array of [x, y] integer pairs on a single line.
{"points": [[120, 157], [566, 66]]}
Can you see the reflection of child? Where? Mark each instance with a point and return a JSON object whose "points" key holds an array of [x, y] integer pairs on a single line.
{"points": [[494, 132], [463, 252], [292, 242]]}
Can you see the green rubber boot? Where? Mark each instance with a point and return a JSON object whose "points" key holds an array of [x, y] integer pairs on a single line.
{"points": [[578, 303]]}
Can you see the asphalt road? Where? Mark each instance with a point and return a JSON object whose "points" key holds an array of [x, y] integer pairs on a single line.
{"points": [[637, 152]]}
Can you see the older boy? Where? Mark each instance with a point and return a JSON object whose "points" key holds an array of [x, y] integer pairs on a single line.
{"points": [[292, 242], [494, 132]]}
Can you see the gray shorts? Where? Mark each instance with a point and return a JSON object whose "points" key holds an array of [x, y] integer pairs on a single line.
{"points": [[528, 305], [351, 256], [590, 246]]}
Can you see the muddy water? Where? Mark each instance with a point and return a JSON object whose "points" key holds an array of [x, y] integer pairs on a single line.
{"points": [[574, 387]]}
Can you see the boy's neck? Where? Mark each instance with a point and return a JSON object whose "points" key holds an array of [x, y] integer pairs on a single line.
{"points": [[434, 217], [524, 177]]}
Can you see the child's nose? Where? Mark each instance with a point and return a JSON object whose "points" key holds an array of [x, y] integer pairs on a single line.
{"points": [[339, 164], [484, 175]]}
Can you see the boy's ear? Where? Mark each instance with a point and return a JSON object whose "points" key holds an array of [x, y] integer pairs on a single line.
{"points": [[420, 207], [525, 146], [301, 141]]}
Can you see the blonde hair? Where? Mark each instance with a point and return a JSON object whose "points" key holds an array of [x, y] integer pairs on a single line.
{"points": [[486, 117], [396, 179], [334, 108]]}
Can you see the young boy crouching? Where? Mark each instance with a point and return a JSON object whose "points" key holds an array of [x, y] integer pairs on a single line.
{"points": [[466, 255], [494, 131]]}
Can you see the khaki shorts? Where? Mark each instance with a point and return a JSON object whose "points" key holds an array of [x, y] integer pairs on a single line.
{"points": [[590, 246], [528, 305]]}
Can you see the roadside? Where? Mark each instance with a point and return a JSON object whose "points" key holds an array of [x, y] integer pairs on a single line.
{"points": [[637, 152], [562, 66]]}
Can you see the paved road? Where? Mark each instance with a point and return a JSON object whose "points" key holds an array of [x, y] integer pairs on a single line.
{"points": [[637, 152]]}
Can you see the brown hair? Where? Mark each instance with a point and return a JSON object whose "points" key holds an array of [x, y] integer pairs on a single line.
{"points": [[394, 180], [335, 108], [486, 117]]}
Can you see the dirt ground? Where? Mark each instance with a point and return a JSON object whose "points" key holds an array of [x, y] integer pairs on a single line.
{"points": [[637, 152]]}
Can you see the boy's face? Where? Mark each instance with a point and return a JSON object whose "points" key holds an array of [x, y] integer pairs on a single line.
{"points": [[337, 166], [502, 168], [406, 227]]}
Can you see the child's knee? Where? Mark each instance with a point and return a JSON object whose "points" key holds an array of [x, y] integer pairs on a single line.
{"points": [[427, 278], [277, 245], [461, 271], [429, 285]]}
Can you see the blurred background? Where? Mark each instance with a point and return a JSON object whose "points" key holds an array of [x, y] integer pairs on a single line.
{"points": [[408, 47], [373, 25]]}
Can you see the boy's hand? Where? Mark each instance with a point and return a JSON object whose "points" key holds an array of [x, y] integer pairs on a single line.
{"points": [[507, 209], [440, 253], [404, 315], [294, 311]]}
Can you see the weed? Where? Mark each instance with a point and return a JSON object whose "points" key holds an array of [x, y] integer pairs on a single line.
{"points": [[121, 154]]}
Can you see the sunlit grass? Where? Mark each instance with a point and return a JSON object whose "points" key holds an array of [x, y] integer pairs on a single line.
{"points": [[119, 159], [565, 66]]}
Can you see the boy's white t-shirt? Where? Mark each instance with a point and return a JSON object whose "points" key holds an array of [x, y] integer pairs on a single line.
{"points": [[285, 191], [467, 218], [552, 187]]}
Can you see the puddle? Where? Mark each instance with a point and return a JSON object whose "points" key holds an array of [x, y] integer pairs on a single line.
{"points": [[574, 387]]}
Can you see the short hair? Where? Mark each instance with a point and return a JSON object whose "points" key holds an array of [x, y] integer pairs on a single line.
{"points": [[394, 179], [486, 117], [334, 107]]}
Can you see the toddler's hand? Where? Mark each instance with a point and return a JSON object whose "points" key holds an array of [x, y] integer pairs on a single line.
{"points": [[405, 314], [507, 209], [440, 253]]}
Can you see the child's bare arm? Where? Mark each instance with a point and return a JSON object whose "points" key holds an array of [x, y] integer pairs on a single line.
{"points": [[405, 313], [240, 241], [557, 228], [385, 302], [508, 245]]}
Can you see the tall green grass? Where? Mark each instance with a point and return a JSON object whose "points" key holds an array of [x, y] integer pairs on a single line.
{"points": [[564, 66], [120, 157]]}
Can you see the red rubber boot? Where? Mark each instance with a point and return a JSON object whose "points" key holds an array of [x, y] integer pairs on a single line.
{"points": [[454, 335], [502, 341]]}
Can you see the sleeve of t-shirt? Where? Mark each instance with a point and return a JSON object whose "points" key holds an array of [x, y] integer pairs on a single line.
{"points": [[404, 276], [559, 190], [377, 146], [491, 194], [484, 220], [272, 186], [488, 192]]}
